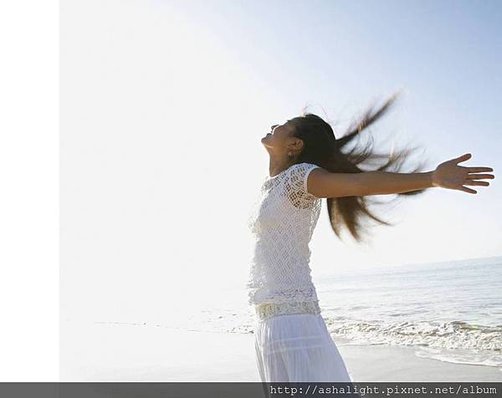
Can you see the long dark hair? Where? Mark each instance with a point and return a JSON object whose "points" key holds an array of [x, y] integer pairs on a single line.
{"points": [[322, 148]]}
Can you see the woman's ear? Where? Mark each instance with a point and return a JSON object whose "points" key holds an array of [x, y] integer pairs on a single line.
{"points": [[298, 144]]}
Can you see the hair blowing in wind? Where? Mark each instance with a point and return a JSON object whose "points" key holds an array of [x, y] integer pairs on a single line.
{"points": [[321, 147]]}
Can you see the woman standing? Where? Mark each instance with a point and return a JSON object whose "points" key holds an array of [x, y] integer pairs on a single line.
{"points": [[308, 163]]}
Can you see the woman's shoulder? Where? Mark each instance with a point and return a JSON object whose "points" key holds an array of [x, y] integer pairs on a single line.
{"points": [[298, 176], [304, 166]]}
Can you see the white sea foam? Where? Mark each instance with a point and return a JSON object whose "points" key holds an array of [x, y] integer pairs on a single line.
{"points": [[456, 341]]}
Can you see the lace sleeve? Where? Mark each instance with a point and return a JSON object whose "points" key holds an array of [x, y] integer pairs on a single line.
{"points": [[296, 185]]}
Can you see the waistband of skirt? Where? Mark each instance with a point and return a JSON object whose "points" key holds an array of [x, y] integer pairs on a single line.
{"points": [[267, 310]]}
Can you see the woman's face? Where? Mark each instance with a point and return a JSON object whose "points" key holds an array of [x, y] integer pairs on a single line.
{"points": [[279, 136]]}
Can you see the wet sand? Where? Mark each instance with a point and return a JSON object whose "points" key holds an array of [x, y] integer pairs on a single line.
{"points": [[92, 351]]}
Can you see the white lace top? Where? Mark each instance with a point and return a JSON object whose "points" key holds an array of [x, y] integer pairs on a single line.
{"points": [[282, 222]]}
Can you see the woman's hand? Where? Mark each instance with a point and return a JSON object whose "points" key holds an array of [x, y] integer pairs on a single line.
{"points": [[452, 176]]}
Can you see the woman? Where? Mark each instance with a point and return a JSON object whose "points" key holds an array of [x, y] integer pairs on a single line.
{"points": [[307, 163]]}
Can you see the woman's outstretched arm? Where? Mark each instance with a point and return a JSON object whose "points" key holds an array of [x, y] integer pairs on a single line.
{"points": [[449, 174]]}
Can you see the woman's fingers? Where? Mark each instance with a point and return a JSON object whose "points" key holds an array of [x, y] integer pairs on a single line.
{"points": [[483, 183], [462, 158], [469, 190], [479, 176], [477, 169]]}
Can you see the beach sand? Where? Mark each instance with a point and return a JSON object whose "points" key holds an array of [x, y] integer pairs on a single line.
{"points": [[107, 351]]}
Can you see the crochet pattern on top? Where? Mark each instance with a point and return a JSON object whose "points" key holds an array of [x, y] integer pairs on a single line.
{"points": [[282, 222]]}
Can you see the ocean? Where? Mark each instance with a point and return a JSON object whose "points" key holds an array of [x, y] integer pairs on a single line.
{"points": [[449, 311]]}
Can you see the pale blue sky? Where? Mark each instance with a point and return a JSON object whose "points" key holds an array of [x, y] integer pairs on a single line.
{"points": [[164, 104], [340, 55], [447, 55]]}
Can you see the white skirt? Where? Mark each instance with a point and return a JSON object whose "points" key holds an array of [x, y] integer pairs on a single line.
{"points": [[297, 348]]}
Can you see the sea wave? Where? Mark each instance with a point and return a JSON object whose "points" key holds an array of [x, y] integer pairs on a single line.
{"points": [[455, 341]]}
